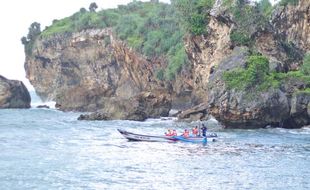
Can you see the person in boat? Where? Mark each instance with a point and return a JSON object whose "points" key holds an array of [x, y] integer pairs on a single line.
{"points": [[169, 133], [174, 133], [195, 131], [204, 130], [185, 133]]}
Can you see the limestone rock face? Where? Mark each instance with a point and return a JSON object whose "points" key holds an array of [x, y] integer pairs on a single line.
{"points": [[287, 38], [13, 94], [205, 53], [300, 110], [80, 71], [284, 41], [247, 109], [292, 23]]}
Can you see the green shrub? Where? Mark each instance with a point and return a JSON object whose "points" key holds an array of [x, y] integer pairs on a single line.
{"points": [[247, 18], [258, 68], [240, 38], [135, 42], [60, 26], [272, 80], [79, 21], [197, 24], [265, 7], [236, 79], [288, 2], [294, 75], [110, 17], [160, 74], [176, 63], [153, 42], [228, 3], [304, 91], [194, 14], [33, 32], [305, 68], [254, 75]]}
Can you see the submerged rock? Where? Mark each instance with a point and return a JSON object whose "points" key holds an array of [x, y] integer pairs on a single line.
{"points": [[195, 113], [13, 94], [93, 116], [43, 106]]}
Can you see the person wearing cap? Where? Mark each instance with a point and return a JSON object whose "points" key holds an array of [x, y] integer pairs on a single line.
{"points": [[169, 133], [185, 133], [204, 130], [174, 133], [195, 131]]}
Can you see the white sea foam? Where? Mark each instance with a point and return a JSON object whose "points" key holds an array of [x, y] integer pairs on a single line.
{"points": [[50, 104], [36, 101]]}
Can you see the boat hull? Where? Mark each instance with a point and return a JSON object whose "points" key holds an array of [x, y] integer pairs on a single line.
{"points": [[191, 139], [152, 138], [148, 138]]}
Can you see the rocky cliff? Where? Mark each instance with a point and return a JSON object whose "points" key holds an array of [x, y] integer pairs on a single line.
{"points": [[93, 70], [284, 41], [81, 70], [13, 94]]}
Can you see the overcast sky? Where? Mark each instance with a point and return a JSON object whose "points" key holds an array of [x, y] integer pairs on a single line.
{"points": [[16, 17]]}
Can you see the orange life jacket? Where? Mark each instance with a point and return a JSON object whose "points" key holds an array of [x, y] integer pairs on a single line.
{"points": [[195, 131], [186, 134], [169, 133]]}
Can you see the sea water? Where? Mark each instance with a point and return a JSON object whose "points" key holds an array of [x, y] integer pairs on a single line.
{"points": [[50, 149]]}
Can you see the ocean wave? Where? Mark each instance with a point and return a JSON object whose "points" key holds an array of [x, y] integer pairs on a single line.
{"points": [[302, 131]]}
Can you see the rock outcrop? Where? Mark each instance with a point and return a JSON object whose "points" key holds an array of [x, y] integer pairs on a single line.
{"points": [[300, 110], [205, 53], [284, 41], [243, 109], [287, 38], [81, 71], [140, 107], [13, 94], [292, 24]]}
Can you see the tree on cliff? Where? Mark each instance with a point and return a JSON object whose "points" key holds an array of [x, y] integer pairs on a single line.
{"points": [[83, 10], [24, 40], [33, 32], [92, 7]]}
